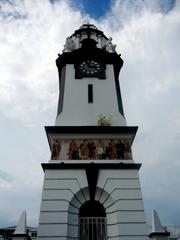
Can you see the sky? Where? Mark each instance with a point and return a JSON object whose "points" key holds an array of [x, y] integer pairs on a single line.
{"points": [[147, 35]]}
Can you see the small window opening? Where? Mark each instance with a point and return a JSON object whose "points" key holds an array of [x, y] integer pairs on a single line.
{"points": [[90, 93]]}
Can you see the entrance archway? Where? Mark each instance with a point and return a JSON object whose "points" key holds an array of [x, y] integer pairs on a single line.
{"points": [[92, 221]]}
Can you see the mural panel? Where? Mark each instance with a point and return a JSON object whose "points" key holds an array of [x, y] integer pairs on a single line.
{"points": [[97, 149]]}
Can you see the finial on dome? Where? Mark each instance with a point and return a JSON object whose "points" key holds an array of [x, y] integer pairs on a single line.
{"points": [[87, 21]]}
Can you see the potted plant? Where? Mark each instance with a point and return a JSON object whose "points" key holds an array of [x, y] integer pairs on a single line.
{"points": [[104, 121]]}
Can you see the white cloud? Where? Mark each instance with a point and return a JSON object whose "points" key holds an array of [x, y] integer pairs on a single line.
{"points": [[31, 36], [29, 46]]}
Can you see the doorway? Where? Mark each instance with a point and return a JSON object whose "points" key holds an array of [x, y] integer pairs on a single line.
{"points": [[92, 221]]}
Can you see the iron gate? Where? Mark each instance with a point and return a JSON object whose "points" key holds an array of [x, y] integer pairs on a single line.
{"points": [[92, 228]]}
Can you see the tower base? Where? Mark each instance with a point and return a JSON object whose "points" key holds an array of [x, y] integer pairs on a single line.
{"points": [[115, 186]]}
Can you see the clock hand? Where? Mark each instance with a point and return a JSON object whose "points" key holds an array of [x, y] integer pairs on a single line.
{"points": [[92, 65]]}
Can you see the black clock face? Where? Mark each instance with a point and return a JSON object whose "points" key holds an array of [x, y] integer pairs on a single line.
{"points": [[90, 67]]}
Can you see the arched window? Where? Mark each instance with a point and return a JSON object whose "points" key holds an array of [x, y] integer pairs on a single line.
{"points": [[92, 221]]}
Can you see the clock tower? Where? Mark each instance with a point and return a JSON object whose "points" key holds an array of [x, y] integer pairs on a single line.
{"points": [[91, 185]]}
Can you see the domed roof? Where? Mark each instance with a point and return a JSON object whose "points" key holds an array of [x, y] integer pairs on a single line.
{"points": [[88, 35]]}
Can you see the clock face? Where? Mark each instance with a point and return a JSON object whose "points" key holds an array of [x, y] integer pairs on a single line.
{"points": [[90, 67]]}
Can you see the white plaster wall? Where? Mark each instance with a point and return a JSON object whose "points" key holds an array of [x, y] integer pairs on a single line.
{"points": [[76, 109], [58, 204], [120, 193]]}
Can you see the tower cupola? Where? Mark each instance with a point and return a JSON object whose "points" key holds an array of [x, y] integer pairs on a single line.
{"points": [[89, 85]]}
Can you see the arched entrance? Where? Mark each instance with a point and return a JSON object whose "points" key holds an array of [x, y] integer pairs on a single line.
{"points": [[92, 221]]}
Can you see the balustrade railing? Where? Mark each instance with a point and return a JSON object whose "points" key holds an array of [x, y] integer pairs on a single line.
{"points": [[92, 228]]}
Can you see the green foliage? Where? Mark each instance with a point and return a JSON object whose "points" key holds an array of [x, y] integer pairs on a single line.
{"points": [[104, 121]]}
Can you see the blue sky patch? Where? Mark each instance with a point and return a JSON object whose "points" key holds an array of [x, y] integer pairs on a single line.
{"points": [[96, 8]]}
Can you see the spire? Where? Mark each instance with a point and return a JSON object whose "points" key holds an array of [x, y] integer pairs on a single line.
{"points": [[158, 231], [21, 226], [21, 229], [156, 223]]}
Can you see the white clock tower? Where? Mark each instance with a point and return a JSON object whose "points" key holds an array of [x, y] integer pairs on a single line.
{"points": [[91, 185]]}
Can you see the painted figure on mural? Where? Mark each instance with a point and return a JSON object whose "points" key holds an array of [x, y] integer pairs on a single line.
{"points": [[113, 149], [91, 150], [104, 153], [120, 149], [55, 149], [83, 149], [75, 153], [127, 152], [64, 149], [73, 150], [100, 147], [108, 150]]}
